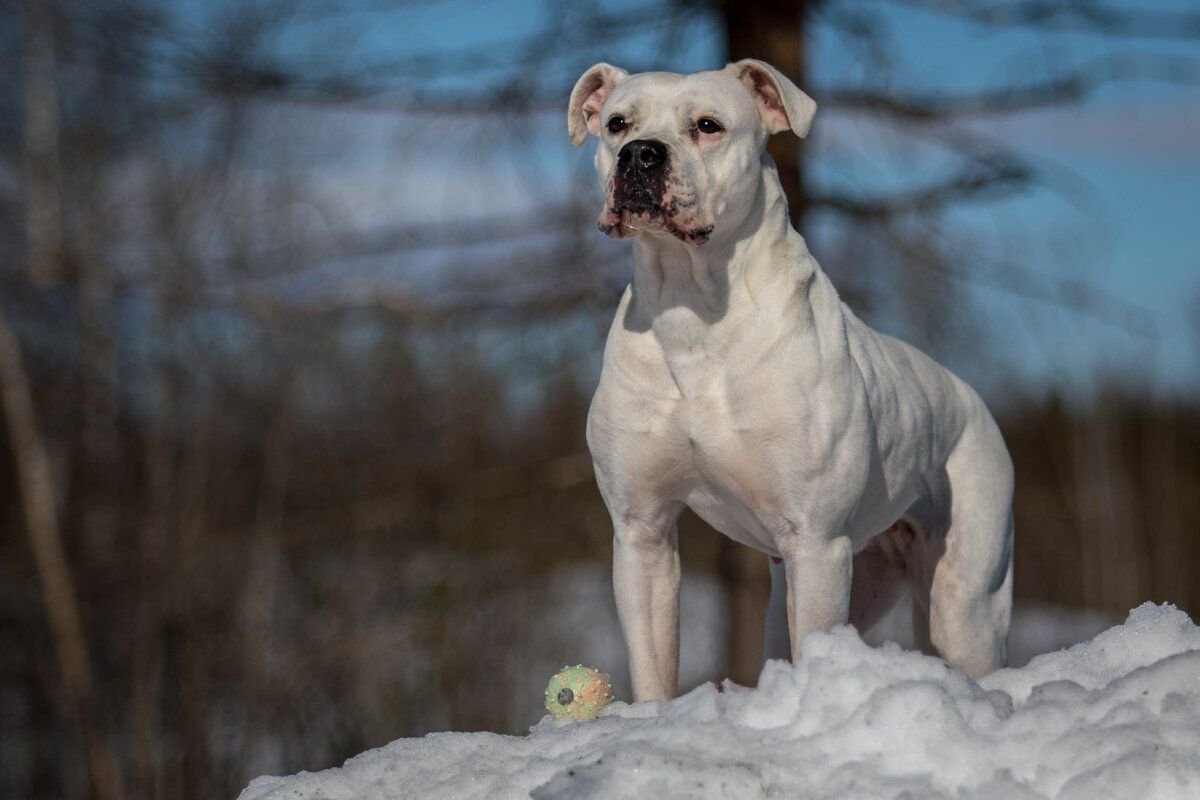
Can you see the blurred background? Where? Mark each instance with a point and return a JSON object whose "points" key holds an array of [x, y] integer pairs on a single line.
{"points": [[302, 305]]}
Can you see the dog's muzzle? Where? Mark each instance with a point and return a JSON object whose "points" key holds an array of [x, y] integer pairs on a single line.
{"points": [[641, 177]]}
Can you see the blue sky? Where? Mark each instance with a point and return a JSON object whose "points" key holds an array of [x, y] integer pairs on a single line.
{"points": [[1123, 214], [1119, 212], [1121, 209]]}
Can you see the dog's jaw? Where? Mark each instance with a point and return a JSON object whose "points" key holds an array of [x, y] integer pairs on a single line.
{"points": [[674, 214]]}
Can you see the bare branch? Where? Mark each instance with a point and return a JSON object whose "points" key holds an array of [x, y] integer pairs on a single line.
{"points": [[1089, 17], [417, 308], [235, 73], [973, 183], [1074, 295], [1072, 87]]}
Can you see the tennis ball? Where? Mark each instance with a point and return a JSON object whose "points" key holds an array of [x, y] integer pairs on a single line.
{"points": [[579, 692]]}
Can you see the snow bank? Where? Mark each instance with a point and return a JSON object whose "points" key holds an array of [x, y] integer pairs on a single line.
{"points": [[578, 618], [1114, 717]]}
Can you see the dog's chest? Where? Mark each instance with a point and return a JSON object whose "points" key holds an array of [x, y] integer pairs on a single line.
{"points": [[726, 473], [695, 355], [693, 415]]}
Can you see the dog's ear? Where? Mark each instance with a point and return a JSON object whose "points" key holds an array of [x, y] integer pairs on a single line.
{"points": [[587, 98], [779, 102]]}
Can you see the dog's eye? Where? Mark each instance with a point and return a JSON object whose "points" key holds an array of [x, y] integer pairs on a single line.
{"points": [[616, 124], [709, 125]]}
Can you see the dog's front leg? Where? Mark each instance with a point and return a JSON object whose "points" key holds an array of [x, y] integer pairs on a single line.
{"points": [[818, 585], [646, 585]]}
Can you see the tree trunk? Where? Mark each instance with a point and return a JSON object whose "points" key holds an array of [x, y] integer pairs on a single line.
{"points": [[101, 446], [771, 31], [43, 216], [744, 573], [54, 572]]}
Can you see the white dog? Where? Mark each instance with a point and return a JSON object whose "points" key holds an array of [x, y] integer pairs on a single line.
{"points": [[736, 383]]}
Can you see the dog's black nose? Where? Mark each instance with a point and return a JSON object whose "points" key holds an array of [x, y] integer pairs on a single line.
{"points": [[644, 155]]}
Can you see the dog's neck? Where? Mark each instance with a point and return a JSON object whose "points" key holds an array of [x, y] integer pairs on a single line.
{"points": [[712, 278]]}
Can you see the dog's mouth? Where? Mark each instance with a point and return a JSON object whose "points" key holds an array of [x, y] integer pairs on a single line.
{"points": [[635, 207], [638, 198]]}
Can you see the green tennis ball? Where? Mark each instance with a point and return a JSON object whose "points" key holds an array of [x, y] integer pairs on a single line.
{"points": [[579, 692]]}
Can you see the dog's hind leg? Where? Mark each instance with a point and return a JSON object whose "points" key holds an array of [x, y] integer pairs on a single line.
{"points": [[970, 594]]}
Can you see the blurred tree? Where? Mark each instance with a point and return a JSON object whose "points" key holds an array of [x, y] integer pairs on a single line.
{"points": [[38, 505], [43, 217], [299, 497]]}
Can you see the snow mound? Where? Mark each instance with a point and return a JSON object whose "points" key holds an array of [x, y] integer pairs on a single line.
{"points": [[1115, 717]]}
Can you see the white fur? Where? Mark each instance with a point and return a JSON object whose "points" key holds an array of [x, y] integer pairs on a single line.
{"points": [[736, 383]]}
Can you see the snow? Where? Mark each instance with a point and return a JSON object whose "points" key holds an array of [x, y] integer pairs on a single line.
{"points": [[579, 624], [1114, 717]]}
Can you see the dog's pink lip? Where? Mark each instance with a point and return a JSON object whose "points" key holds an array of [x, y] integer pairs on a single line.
{"points": [[609, 223], [696, 236], [615, 222]]}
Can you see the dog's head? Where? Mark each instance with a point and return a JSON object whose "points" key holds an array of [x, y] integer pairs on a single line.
{"points": [[679, 154]]}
